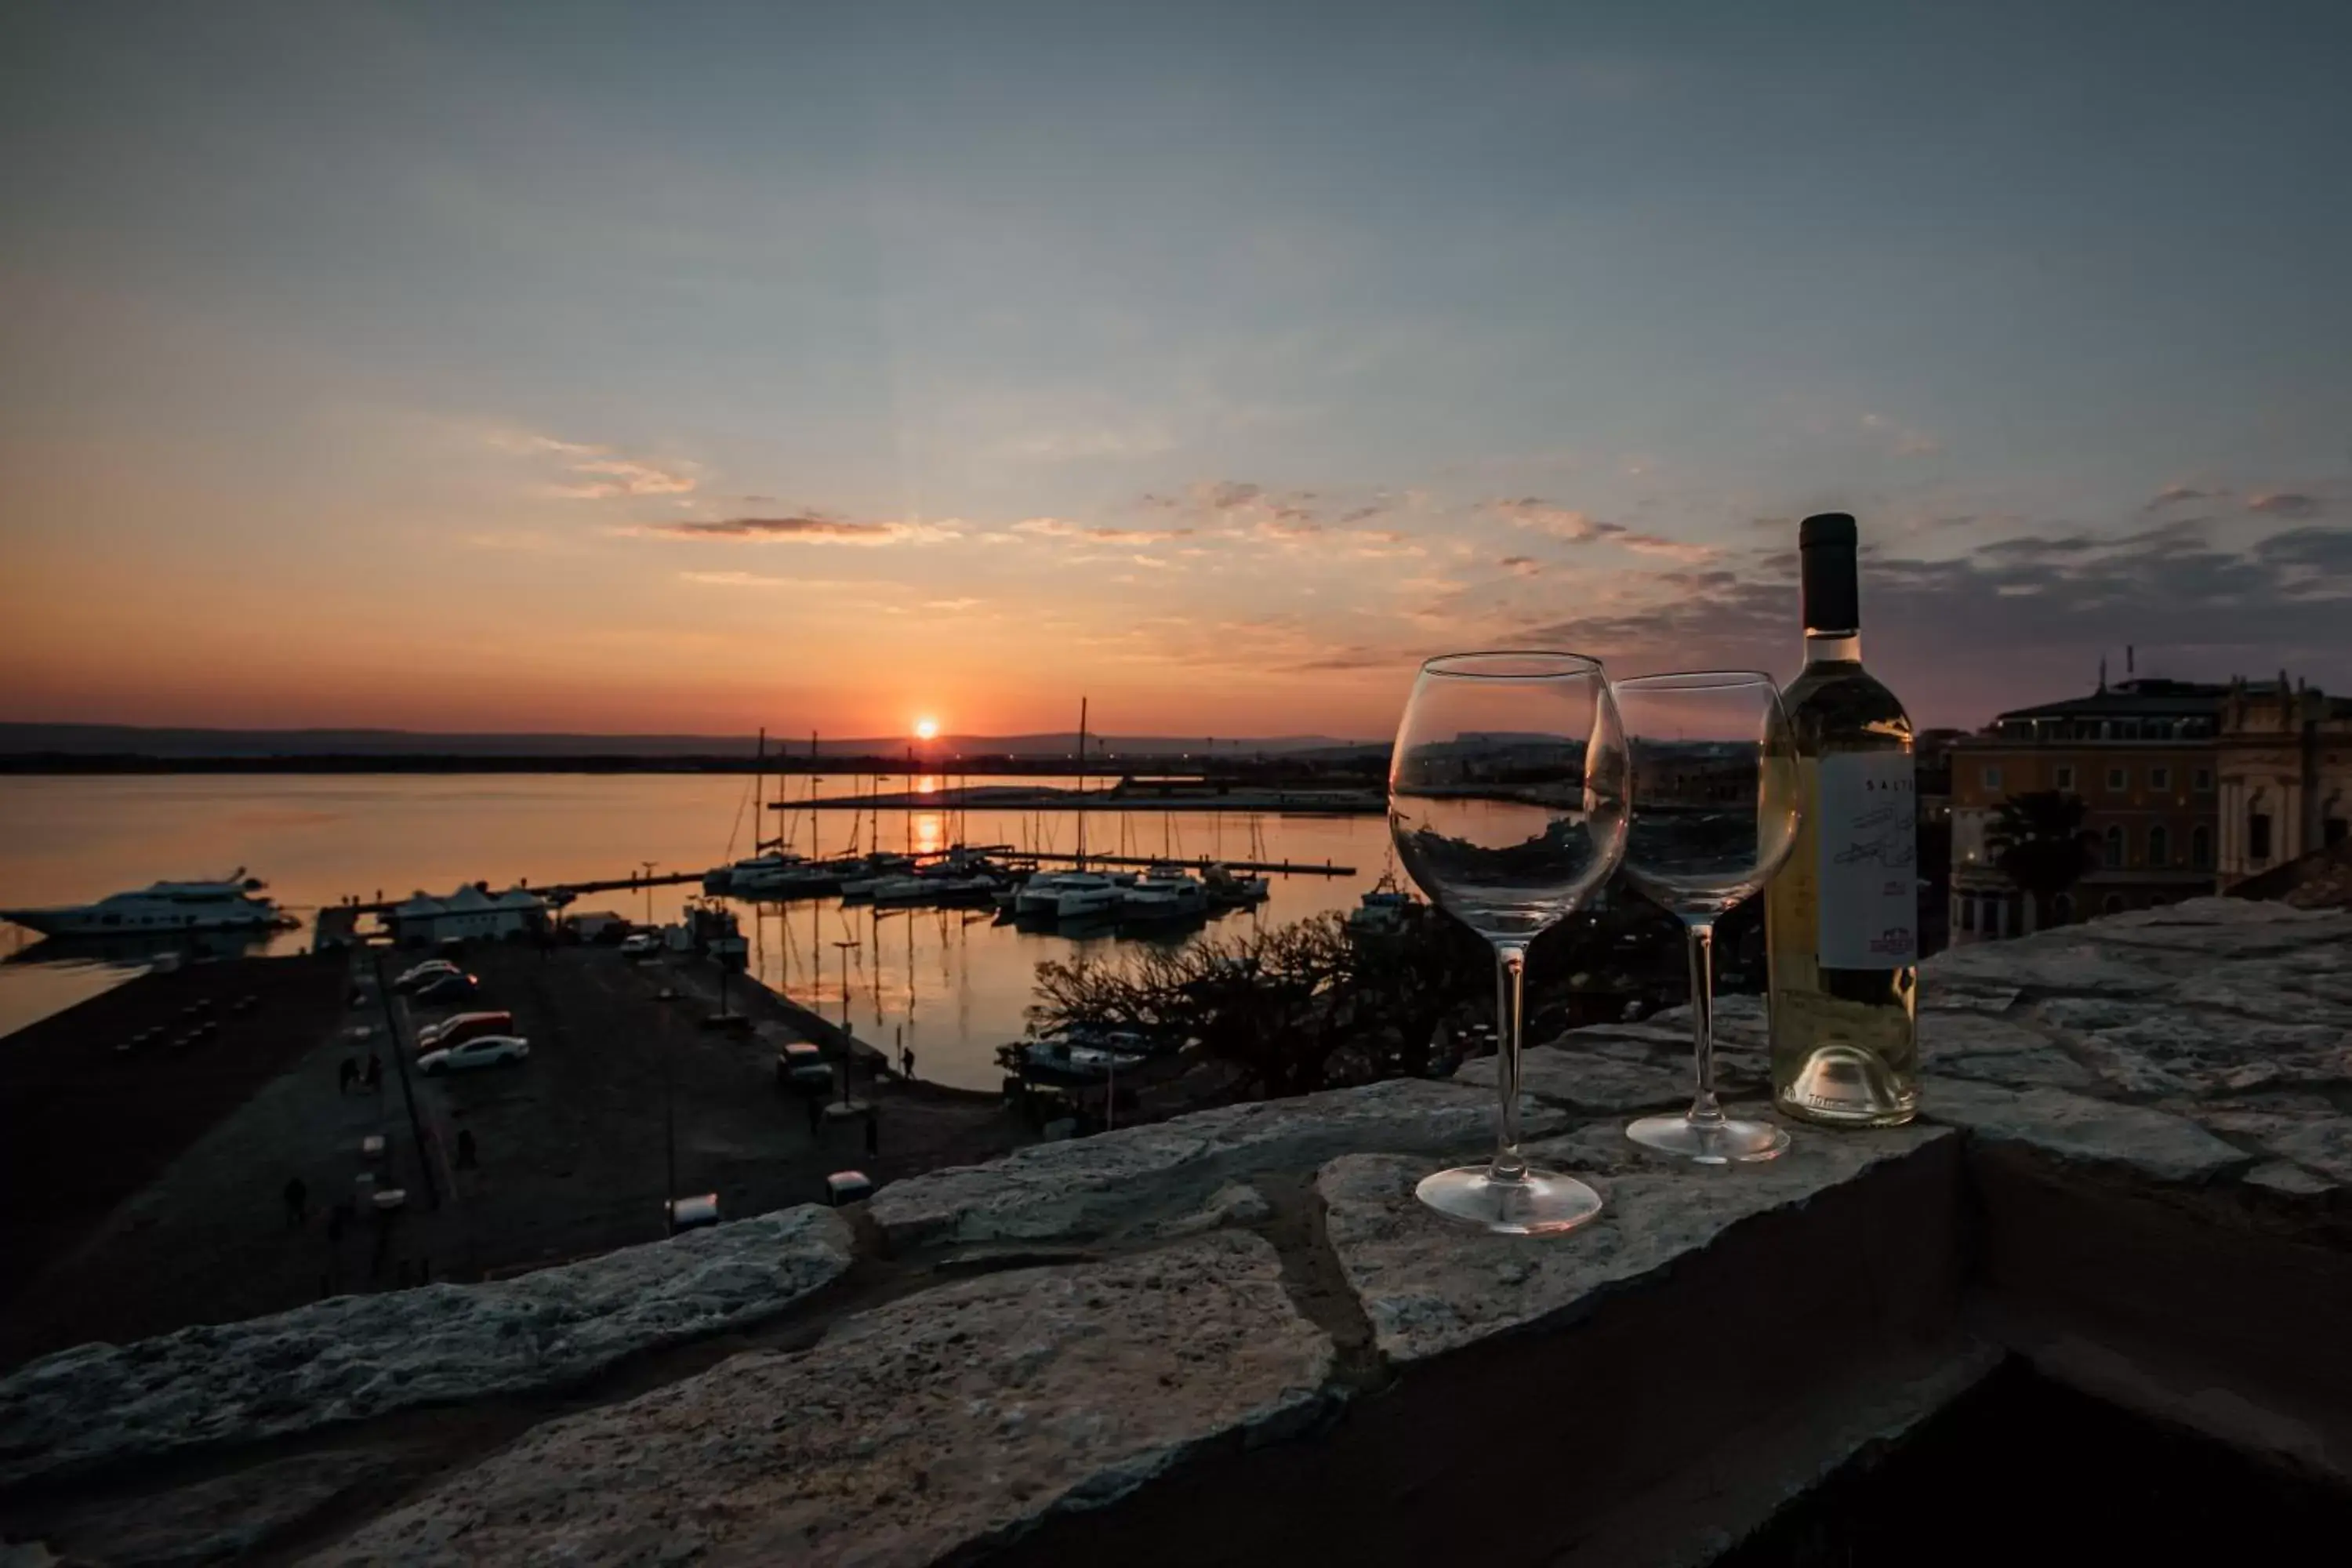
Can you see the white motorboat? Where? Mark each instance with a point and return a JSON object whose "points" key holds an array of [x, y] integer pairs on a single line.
{"points": [[1083, 894], [877, 869], [754, 871], [224, 905], [933, 889], [1076, 1059], [1164, 893]]}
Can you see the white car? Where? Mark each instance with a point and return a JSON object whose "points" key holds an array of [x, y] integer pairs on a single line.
{"points": [[642, 944], [487, 1051], [430, 969]]}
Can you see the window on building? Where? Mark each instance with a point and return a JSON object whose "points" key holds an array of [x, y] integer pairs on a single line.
{"points": [[2064, 778], [2200, 848], [2159, 778], [2062, 910], [2112, 905], [2258, 836], [2159, 846], [1992, 778], [2116, 778], [2202, 781], [2114, 848]]}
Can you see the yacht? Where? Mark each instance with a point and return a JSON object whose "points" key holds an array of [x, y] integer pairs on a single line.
{"points": [[226, 905], [1164, 893], [753, 871], [876, 869]]}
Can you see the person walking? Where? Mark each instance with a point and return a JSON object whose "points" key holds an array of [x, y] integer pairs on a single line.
{"points": [[907, 1063]]}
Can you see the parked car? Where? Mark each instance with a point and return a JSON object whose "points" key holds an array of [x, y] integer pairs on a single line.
{"points": [[446, 988], [459, 1027], [424, 974], [490, 1050], [801, 1068], [642, 944]]}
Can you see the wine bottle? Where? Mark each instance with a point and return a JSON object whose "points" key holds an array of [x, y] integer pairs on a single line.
{"points": [[1842, 917]]}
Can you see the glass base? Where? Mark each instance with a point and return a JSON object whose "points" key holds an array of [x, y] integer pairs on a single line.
{"points": [[1727, 1141], [1541, 1202]]}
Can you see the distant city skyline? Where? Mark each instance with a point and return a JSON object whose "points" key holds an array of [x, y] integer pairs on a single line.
{"points": [[690, 369]]}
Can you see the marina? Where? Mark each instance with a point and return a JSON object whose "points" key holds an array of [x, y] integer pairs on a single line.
{"points": [[943, 979]]}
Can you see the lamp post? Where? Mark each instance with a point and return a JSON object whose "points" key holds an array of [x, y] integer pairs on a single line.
{"points": [[649, 866], [845, 947]]}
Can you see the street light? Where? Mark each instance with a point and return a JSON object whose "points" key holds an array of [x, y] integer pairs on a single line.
{"points": [[649, 866], [845, 947]]}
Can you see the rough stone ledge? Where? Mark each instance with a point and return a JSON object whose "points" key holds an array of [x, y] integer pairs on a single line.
{"points": [[358, 1356], [940, 1424], [2073, 1127], [1429, 1285], [1587, 1081], [1140, 1176]]}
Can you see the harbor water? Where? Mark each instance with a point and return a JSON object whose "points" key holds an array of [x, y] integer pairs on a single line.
{"points": [[949, 984]]}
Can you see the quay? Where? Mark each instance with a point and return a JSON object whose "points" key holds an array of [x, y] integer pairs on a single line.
{"points": [[145, 1190]]}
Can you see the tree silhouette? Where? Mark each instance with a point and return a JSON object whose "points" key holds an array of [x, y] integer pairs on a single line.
{"points": [[2039, 842]]}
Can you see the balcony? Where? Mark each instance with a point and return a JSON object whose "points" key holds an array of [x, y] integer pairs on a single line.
{"points": [[1234, 1337]]}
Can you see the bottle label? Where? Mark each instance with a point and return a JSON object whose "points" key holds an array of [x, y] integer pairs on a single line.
{"points": [[1867, 831]]}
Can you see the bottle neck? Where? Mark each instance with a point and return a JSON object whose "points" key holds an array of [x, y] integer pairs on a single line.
{"points": [[1833, 648]]}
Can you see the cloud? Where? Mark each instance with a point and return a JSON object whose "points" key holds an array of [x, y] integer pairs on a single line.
{"points": [[1671, 548], [599, 474], [1521, 565], [1558, 522], [761, 580], [2173, 495], [2016, 620], [949, 606], [808, 529], [1582, 528], [2285, 504], [1057, 527]]}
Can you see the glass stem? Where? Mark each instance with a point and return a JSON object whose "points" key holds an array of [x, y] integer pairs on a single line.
{"points": [[1704, 1107], [1510, 970]]}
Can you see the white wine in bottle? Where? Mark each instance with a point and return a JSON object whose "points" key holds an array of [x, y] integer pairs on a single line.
{"points": [[1842, 917]]}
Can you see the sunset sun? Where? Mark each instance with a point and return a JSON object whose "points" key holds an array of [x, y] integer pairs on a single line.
{"points": [[926, 729]]}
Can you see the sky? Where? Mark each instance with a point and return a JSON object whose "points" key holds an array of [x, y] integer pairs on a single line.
{"points": [[695, 367]]}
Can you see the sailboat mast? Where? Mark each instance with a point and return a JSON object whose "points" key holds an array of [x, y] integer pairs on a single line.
{"points": [[759, 791], [1082, 783], [812, 795]]}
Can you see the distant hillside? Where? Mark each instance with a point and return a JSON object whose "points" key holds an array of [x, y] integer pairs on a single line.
{"points": [[127, 741]]}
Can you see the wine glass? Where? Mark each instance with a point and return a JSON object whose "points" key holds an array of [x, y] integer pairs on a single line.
{"points": [[1714, 779], [1506, 799]]}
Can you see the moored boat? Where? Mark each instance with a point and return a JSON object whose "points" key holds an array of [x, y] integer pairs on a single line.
{"points": [[226, 905]]}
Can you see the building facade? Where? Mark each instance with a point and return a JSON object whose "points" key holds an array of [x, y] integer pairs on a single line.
{"points": [[2286, 775], [2141, 755]]}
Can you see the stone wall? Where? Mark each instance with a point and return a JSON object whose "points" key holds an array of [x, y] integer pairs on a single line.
{"points": [[1235, 1337]]}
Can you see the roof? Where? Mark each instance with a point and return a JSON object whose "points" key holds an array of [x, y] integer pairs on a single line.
{"points": [[2133, 699]]}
